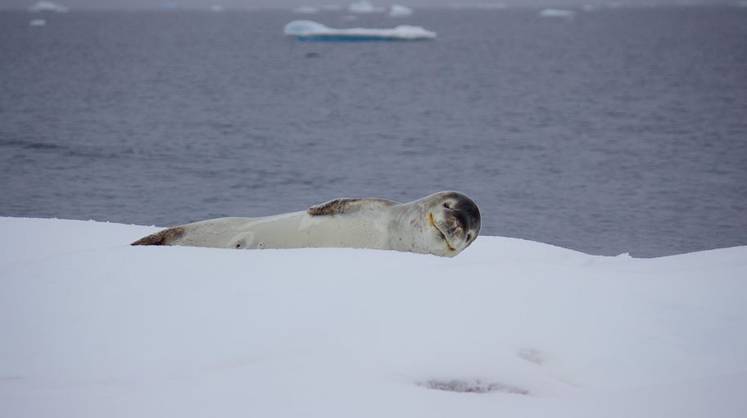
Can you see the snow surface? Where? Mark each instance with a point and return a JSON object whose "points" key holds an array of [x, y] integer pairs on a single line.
{"points": [[93, 327], [307, 29]]}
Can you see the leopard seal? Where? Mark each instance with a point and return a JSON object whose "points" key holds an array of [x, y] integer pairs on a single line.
{"points": [[442, 224]]}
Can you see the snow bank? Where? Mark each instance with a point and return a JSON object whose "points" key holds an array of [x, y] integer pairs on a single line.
{"points": [[310, 30], [399, 11], [93, 327], [566, 14], [48, 6]]}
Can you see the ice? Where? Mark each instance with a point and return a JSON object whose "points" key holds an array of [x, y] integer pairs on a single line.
{"points": [[559, 13], [314, 31], [399, 11], [94, 327], [37, 22], [306, 10], [363, 6], [48, 6], [478, 6]]}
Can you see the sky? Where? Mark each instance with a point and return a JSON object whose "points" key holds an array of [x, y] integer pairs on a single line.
{"points": [[204, 4]]}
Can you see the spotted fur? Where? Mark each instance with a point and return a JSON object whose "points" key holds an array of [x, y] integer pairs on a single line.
{"points": [[345, 205]]}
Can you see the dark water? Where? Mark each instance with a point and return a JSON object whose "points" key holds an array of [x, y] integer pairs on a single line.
{"points": [[621, 130]]}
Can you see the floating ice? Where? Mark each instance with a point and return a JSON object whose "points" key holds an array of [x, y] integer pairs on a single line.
{"points": [[478, 6], [37, 22], [362, 6], [306, 10], [567, 14], [48, 6], [313, 31], [399, 11]]}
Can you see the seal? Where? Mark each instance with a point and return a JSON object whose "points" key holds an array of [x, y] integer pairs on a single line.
{"points": [[442, 224]]}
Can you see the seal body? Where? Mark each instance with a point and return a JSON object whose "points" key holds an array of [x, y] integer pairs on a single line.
{"points": [[443, 223]]}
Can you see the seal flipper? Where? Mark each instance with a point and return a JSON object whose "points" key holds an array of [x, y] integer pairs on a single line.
{"points": [[165, 237], [348, 205]]}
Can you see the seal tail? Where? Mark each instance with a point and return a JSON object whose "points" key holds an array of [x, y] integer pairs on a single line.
{"points": [[165, 237]]}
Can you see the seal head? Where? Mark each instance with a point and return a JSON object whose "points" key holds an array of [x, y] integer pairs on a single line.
{"points": [[452, 220]]}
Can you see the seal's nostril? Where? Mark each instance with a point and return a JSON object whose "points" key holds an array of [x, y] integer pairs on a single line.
{"points": [[469, 237]]}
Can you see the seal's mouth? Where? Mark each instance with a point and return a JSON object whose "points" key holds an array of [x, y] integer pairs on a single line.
{"points": [[443, 236]]}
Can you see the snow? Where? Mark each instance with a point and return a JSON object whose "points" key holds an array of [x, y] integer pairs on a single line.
{"points": [[48, 6], [94, 327], [310, 30], [399, 11], [567, 14]]}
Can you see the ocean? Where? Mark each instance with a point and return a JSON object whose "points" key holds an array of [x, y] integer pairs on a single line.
{"points": [[620, 130]]}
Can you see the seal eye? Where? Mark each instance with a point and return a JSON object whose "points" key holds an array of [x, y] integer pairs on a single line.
{"points": [[447, 205]]}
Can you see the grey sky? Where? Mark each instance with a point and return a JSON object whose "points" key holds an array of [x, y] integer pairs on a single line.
{"points": [[243, 4]]}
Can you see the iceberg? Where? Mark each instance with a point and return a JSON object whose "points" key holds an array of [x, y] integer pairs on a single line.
{"points": [[567, 14], [48, 6], [307, 30], [399, 11], [93, 327]]}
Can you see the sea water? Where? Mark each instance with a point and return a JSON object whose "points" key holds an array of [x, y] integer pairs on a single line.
{"points": [[616, 131]]}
